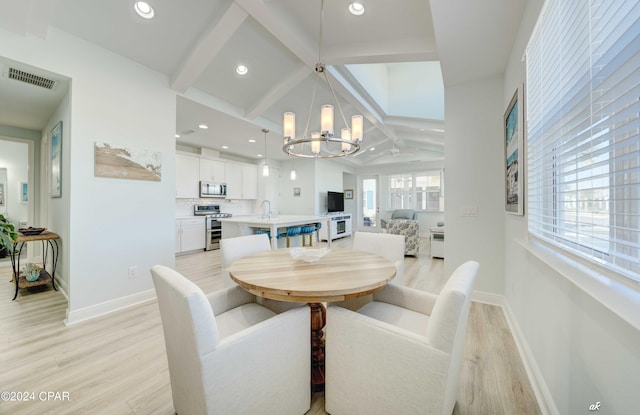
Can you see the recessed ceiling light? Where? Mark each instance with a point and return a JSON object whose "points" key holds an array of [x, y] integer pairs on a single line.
{"points": [[144, 9], [251, 140], [242, 70], [372, 148], [438, 130], [258, 155], [203, 126], [356, 9], [177, 135], [225, 147]]}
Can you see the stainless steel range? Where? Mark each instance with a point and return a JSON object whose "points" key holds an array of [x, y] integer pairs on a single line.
{"points": [[213, 226]]}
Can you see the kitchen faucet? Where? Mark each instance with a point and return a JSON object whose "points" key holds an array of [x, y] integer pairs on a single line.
{"points": [[268, 215]]}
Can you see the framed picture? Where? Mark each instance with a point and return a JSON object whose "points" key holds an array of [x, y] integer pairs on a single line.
{"points": [[514, 154], [123, 162], [296, 192], [55, 160], [3, 202], [348, 194], [24, 192]]}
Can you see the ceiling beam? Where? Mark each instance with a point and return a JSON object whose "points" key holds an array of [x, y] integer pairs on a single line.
{"points": [[207, 47], [405, 50], [278, 92], [281, 29]]}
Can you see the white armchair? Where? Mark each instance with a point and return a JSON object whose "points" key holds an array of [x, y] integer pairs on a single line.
{"points": [[229, 355], [401, 353]]}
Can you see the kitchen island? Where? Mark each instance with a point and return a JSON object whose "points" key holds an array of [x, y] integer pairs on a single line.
{"points": [[247, 225]]}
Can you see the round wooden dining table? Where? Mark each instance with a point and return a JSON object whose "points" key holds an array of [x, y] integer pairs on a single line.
{"points": [[341, 274]]}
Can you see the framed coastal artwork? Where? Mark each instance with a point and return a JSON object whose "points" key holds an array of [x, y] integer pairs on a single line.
{"points": [[55, 160], [514, 154], [124, 162]]}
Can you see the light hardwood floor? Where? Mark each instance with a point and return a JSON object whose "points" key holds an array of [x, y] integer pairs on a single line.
{"points": [[116, 364]]}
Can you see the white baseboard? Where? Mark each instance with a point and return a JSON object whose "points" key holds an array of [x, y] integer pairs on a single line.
{"points": [[539, 386], [97, 310], [487, 298], [62, 286]]}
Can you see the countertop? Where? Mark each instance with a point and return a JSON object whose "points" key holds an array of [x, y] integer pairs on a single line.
{"points": [[278, 220]]}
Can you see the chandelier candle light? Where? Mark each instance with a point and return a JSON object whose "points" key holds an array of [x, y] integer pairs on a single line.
{"points": [[350, 138]]}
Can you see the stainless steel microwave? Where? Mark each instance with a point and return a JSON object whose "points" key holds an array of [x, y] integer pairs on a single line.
{"points": [[208, 189]]}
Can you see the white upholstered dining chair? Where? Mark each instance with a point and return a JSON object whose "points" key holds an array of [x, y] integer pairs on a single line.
{"points": [[387, 246], [229, 355], [400, 354], [241, 246]]}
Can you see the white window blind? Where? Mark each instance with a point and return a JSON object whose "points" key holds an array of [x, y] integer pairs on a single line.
{"points": [[583, 139]]}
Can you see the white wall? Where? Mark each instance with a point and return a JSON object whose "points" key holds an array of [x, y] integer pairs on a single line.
{"points": [[305, 180], [14, 156], [108, 225], [473, 178], [583, 351], [329, 177]]}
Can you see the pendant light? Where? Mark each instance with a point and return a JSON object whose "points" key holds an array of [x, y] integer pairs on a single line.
{"points": [[265, 168]]}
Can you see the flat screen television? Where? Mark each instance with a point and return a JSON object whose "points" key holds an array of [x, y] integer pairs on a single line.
{"points": [[335, 202]]}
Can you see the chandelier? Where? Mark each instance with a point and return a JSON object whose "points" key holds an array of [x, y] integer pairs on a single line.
{"points": [[322, 144]]}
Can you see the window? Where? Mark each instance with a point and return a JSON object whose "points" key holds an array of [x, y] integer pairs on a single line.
{"points": [[583, 130], [419, 191]]}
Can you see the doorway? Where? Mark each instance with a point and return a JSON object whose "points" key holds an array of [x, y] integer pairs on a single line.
{"points": [[369, 212]]}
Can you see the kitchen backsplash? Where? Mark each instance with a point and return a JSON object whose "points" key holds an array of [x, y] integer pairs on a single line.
{"points": [[184, 207]]}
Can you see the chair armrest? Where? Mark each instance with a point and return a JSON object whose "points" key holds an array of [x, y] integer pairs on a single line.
{"points": [[228, 298], [360, 348], [279, 348], [405, 297]]}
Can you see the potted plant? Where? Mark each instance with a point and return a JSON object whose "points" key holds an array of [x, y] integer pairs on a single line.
{"points": [[8, 236]]}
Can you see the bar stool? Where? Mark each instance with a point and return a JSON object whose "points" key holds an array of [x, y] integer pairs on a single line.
{"points": [[309, 230], [291, 232], [268, 232]]}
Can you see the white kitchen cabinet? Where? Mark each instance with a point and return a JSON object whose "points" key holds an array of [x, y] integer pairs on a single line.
{"points": [[190, 234], [233, 176], [212, 171], [249, 182], [242, 181], [187, 176]]}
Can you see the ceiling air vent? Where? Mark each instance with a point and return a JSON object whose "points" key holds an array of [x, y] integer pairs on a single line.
{"points": [[187, 132], [32, 79]]}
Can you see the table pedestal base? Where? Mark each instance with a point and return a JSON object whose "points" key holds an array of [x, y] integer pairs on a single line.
{"points": [[318, 320]]}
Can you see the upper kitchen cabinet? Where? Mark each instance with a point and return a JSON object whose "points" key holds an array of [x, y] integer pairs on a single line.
{"points": [[187, 176], [242, 181], [249, 182], [212, 171]]}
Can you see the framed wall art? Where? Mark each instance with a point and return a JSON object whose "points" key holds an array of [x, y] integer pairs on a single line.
{"points": [[348, 194], [514, 154], [24, 192], [123, 162], [55, 160]]}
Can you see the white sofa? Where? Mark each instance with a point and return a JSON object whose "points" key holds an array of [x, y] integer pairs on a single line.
{"points": [[400, 354], [229, 355]]}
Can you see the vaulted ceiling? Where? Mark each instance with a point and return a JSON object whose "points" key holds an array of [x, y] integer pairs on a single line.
{"points": [[390, 64]]}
